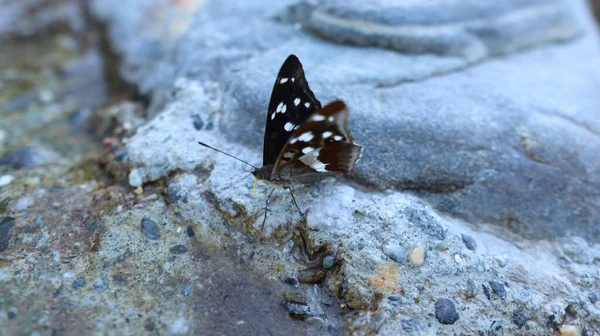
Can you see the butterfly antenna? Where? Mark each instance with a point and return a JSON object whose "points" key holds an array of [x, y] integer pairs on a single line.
{"points": [[231, 156]]}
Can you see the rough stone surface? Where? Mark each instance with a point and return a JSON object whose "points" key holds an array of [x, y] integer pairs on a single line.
{"points": [[458, 142]]}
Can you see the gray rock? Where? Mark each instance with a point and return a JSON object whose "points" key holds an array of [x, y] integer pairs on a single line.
{"points": [[426, 222], [498, 289], [464, 28], [101, 284], [135, 179], [519, 318], [79, 283], [150, 229], [445, 311], [593, 298], [329, 261], [186, 290], [6, 223], [28, 157], [469, 242], [190, 231], [395, 251], [24, 203], [178, 249]]}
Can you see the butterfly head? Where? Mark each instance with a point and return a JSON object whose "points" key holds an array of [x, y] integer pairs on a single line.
{"points": [[263, 173]]}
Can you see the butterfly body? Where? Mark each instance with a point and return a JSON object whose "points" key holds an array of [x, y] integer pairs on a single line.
{"points": [[304, 142]]}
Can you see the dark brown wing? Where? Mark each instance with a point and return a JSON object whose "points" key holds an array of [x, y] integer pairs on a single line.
{"points": [[292, 102], [321, 144]]}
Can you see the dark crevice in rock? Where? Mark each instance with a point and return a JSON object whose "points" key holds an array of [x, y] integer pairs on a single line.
{"points": [[435, 187]]}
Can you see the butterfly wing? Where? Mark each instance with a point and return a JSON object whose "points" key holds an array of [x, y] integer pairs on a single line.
{"points": [[292, 102], [321, 144]]}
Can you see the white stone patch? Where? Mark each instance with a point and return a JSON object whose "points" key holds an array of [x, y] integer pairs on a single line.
{"points": [[283, 80], [306, 137], [279, 107], [297, 101], [330, 119], [338, 137], [327, 134], [288, 126], [6, 180], [317, 117], [307, 150]]}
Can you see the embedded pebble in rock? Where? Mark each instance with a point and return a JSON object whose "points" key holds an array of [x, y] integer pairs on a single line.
{"points": [[311, 275], [79, 283], [469, 242], [197, 122], [417, 255], [471, 289], [150, 229], [101, 284], [186, 290], [297, 310], [593, 298], [6, 180], [6, 223], [24, 203], [519, 318], [395, 251], [190, 231], [501, 259], [498, 289], [27, 158], [135, 179], [394, 298], [329, 261], [178, 249], [570, 330], [486, 291], [445, 311]]}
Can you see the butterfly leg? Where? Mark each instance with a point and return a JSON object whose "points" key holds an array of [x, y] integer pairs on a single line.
{"points": [[266, 207], [294, 200]]}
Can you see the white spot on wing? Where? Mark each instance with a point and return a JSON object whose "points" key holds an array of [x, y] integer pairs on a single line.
{"points": [[312, 160], [317, 117], [288, 155], [297, 101], [293, 141], [330, 118], [283, 80], [284, 109], [307, 150], [293, 79], [327, 134], [306, 137], [279, 107], [288, 126], [273, 115], [338, 137]]}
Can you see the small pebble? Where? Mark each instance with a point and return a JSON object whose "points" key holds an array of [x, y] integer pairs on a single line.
{"points": [[469, 242], [197, 122], [311, 275], [135, 178], [79, 283], [329, 261], [101, 284], [570, 330], [297, 310], [394, 298], [519, 318], [395, 252], [471, 289], [417, 256], [498, 289], [190, 231], [150, 229], [24, 203], [6, 223], [593, 298], [445, 311], [178, 249], [11, 315], [186, 290], [6, 180], [501, 259], [486, 291]]}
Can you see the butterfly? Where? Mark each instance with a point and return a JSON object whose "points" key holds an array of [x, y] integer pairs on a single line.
{"points": [[303, 142]]}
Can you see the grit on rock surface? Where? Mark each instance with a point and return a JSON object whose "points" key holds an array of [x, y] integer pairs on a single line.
{"points": [[475, 209]]}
